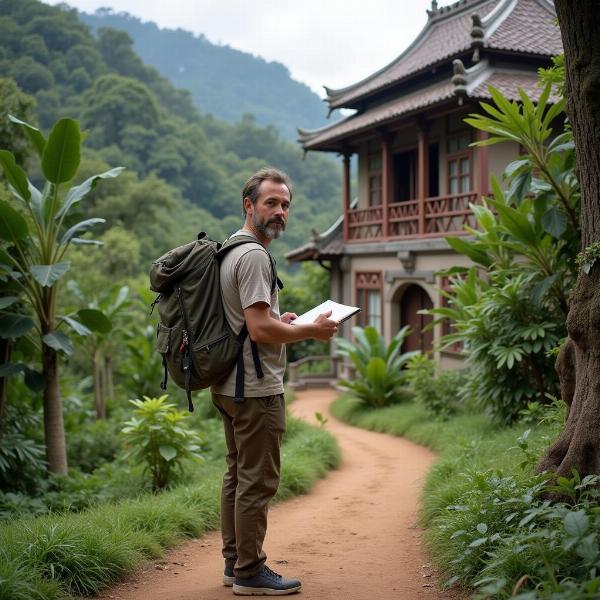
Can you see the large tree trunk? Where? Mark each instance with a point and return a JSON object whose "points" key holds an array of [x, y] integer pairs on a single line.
{"points": [[54, 428], [578, 365]]}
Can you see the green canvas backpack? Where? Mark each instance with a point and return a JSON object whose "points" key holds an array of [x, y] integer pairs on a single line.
{"points": [[197, 344]]}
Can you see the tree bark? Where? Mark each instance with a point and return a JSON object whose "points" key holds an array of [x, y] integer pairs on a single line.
{"points": [[108, 371], [56, 451], [578, 365]]}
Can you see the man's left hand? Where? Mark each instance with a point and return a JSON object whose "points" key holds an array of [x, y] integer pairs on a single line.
{"points": [[288, 317]]}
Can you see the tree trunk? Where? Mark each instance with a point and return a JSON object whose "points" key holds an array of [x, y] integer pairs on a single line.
{"points": [[54, 428], [578, 365], [108, 372], [5, 348], [97, 374]]}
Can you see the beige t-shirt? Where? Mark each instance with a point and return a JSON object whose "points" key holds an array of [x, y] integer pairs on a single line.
{"points": [[246, 278]]}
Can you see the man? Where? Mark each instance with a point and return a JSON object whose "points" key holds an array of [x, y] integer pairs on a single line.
{"points": [[254, 427]]}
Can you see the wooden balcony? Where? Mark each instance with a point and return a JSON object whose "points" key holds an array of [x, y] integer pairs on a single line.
{"points": [[438, 216]]}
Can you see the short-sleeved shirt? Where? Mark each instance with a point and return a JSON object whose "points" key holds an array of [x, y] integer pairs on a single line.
{"points": [[246, 278]]}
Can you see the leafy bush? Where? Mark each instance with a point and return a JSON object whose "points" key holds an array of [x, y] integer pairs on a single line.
{"points": [[158, 435], [380, 374], [510, 310], [437, 392], [94, 444], [510, 542]]}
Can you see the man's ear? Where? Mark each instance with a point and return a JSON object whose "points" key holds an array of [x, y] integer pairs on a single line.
{"points": [[248, 206]]}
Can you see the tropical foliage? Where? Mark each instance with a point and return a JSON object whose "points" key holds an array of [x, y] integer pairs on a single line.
{"points": [[509, 310], [379, 367]]}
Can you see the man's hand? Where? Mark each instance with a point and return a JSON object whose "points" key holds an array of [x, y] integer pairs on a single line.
{"points": [[325, 328], [288, 317]]}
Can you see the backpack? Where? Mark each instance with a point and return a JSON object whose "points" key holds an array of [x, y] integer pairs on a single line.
{"points": [[197, 344]]}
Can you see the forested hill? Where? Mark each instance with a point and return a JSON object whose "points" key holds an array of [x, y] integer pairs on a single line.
{"points": [[185, 169], [223, 81]]}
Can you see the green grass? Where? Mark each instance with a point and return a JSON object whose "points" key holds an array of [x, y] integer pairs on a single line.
{"points": [[61, 556]]}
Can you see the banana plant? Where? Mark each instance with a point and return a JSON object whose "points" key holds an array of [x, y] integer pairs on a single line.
{"points": [[36, 231]]}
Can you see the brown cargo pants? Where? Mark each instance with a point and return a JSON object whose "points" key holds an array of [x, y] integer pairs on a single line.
{"points": [[253, 432]]}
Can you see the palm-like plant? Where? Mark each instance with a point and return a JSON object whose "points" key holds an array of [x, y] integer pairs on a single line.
{"points": [[380, 373], [36, 231]]}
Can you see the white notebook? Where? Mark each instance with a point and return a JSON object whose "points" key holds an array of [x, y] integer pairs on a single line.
{"points": [[340, 312]]}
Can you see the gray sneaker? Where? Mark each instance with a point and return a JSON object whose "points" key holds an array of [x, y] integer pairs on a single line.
{"points": [[265, 583], [228, 575]]}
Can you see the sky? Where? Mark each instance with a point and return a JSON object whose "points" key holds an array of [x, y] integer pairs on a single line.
{"points": [[322, 42]]}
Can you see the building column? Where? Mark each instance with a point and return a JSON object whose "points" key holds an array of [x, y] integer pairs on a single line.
{"points": [[482, 182], [387, 182], [346, 196], [423, 173]]}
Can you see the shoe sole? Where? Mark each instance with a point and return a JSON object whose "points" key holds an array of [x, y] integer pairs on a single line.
{"points": [[228, 580], [241, 590]]}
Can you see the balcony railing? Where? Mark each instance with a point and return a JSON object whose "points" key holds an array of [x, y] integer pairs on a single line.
{"points": [[442, 215]]}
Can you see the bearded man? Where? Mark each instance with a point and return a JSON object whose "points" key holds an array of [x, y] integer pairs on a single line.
{"points": [[254, 427]]}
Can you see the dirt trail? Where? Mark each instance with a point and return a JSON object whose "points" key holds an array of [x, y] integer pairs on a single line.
{"points": [[353, 537]]}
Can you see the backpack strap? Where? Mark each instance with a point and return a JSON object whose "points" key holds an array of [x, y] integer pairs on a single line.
{"points": [[228, 245]]}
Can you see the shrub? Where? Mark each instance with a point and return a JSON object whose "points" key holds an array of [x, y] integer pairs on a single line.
{"points": [[437, 392], [93, 444], [158, 435], [380, 375]]}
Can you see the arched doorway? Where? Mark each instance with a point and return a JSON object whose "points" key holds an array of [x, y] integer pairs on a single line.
{"points": [[414, 299]]}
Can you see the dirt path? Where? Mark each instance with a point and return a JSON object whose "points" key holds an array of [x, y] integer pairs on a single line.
{"points": [[353, 537]]}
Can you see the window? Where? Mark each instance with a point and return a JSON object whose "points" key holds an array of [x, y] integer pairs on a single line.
{"points": [[459, 164], [374, 175], [368, 298]]}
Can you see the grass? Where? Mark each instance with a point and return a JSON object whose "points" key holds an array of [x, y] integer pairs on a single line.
{"points": [[60, 556]]}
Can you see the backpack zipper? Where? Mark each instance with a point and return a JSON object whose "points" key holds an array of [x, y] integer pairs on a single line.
{"points": [[206, 347]]}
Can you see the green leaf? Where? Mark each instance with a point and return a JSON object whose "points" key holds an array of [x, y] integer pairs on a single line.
{"points": [[33, 133], [96, 320], [515, 167], [79, 227], [6, 301], [47, 275], [541, 289], [554, 221], [59, 341], [167, 452], [14, 326], [14, 174], [576, 523], [76, 326], [62, 153], [12, 225], [519, 187], [75, 194], [469, 249], [517, 223], [8, 369], [34, 380]]}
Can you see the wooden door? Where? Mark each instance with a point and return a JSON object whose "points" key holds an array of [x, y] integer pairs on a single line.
{"points": [[414, 299]]}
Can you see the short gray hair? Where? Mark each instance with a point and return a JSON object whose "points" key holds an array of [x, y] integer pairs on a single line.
{"points": [[252, 186]]}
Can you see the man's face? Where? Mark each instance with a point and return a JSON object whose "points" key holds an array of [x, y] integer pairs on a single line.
{"points": [[270, 213]]}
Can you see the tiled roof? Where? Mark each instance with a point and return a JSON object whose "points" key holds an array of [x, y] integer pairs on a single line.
{"points": [[529, 28], [478, 80], [380, 114], [517, 25]]}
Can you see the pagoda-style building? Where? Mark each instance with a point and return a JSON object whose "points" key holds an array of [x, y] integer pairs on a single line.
{"points": [[417, 170]]}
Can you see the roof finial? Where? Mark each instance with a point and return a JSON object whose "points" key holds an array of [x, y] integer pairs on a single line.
{"points": [[433, 10], [459, 80], [476, 36]]}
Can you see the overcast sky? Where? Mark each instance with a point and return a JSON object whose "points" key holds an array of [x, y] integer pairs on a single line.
{"points": [[322, 42]]}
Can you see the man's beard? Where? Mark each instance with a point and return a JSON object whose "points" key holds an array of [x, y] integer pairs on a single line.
{"points": [[264, 227]]}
